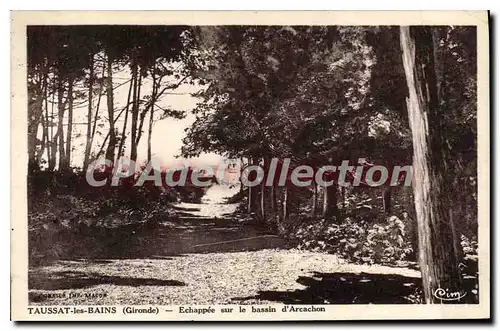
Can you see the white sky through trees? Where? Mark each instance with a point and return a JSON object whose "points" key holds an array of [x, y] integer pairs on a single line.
{"points": [[166, 140]]}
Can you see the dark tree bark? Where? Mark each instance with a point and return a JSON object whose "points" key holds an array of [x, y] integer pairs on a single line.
{"points": [[88, 143], [342, 198], [125, 122], [251, 200], [386, 198], [252, 193], [262, 202], [285, 203], [151, 113], [69, 131], [242, 162], [272, 200], [438, 255], [135, 111], [98, 107], [46, 140], [314, 199], [60, 116], [265, 163], [53, 138], [150, 131], [330, 201], [35, 116], [110, 151]]}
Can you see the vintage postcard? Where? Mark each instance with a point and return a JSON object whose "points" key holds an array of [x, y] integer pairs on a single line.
{"points": [[250, 166]]}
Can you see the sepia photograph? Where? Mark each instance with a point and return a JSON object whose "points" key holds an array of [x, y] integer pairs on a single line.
{"points": [[255, 169]]}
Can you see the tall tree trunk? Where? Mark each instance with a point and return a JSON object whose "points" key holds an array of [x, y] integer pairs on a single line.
{"points": [[272, 200], [241, 172], [330, 201], [125, 122], [96, 114], [135, 113], [386, 198], [263, 192], [438, 255], [151, 115], [342, 198], [263, 202], [252, 193], [251, 199], [150, 132], [88, 144], [70, 125], [35, 115], [314, 199], [110, 151], [45, 123], [285, 203], [53, 138], [60, 130]]}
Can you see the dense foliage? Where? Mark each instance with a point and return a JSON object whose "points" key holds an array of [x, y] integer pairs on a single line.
{"points": [[315, 94]]}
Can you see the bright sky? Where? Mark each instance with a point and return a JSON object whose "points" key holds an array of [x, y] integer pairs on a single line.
{"points": [[167, 135]]}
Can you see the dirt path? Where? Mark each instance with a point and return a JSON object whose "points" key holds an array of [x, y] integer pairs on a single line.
{"points": [[208, 258], [244, 277]]}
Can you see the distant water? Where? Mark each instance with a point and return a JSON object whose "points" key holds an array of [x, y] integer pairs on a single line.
{"points": [[213, 202], [219, 193]]}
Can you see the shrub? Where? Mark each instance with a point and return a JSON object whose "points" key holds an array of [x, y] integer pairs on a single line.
{"points": [[469, 246], [356, 240], [386, 243]]}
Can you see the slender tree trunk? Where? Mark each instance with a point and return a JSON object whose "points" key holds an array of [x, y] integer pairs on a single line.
{"points": [[252, 197], [70, 125], [263, 193], [96, 118], [135, 113], [342, 198], [241, 172], [60, 130], [110, 151], [386, 197], [285, 203], [438, 255], [143, 114], [252, 193], [35, 114], [88, 144], [272, 198], [314, 199], [151, 115], [124, 130], [96, 115], [250, 206], [53, 139], [330, 201], [263, 202], [150, 132], [45, 122]]}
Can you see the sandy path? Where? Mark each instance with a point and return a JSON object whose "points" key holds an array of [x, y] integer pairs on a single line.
{"points": [[242, 277]]}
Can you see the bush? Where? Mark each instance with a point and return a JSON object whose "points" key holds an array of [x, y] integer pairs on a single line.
{"points": [[62, 209], [356, 240], [386, 243], [469, 246]]}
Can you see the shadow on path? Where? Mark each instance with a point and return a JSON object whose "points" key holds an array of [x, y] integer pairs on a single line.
{"points": [[346, 288], [153, 240], [66, 280]]}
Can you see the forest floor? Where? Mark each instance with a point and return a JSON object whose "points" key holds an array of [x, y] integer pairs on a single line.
{"points": [[209, 257]]}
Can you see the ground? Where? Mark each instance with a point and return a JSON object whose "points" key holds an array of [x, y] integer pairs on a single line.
{"points": [[211, 258]]}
